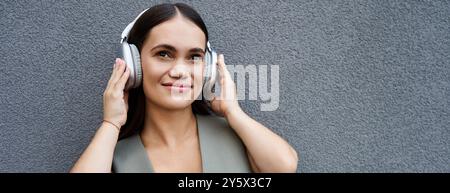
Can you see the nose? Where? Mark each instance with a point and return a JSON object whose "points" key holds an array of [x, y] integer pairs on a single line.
{"points": [[180, 70]]}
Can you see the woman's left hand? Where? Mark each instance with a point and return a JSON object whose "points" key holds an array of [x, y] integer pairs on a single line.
{"points": [[226, 103], [266, 151]]}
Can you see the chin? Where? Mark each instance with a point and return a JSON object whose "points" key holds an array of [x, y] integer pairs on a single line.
{"points": [[176, 103], [164, 97]]}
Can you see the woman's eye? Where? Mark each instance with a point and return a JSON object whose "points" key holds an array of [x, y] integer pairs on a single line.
{"points": [[163, 54], [196, 58]]}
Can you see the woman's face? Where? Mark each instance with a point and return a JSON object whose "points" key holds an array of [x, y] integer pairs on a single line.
{"points": [[172, 63]]}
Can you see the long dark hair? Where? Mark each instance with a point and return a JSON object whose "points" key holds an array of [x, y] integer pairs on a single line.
{"points": [[136, 99]]}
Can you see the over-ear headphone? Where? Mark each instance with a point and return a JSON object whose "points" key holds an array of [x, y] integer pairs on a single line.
{"points": [[131, 56]]}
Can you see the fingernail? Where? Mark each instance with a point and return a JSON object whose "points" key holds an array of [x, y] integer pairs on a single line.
{"points": [[117, 61]]}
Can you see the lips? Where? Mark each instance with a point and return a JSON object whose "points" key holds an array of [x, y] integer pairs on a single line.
{"points": [[169, 84], [180, 87]]}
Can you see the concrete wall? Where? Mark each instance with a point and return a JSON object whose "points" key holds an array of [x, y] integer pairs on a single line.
{"points": [[364, 85]]}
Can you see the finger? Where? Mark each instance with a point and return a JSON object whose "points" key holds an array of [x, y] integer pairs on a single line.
{"points": [[123, 79], [228, 89], [222, 58], [222, 72], [120, 70], [220, 63], [114, 71], [222, 67]]}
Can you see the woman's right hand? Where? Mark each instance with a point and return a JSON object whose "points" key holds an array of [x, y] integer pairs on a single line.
{"points": [[115, 99]]}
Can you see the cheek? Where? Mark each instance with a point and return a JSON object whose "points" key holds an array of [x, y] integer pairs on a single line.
{"points": [[152, 72]]}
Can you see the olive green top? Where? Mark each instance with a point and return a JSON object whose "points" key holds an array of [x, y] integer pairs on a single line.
{"points": [[222, 151]]}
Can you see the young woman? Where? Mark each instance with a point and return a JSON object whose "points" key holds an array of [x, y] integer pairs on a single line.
{"points": [[160, 132]]}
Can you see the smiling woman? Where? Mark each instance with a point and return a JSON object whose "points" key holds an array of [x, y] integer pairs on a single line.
{"points": [[159, 126]]}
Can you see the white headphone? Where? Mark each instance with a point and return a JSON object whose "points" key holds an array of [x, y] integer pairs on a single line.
{"points": [[130, 54]]}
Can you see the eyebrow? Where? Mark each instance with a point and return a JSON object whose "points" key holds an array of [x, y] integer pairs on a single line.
{"points": [[195, 50], [171, 48]]}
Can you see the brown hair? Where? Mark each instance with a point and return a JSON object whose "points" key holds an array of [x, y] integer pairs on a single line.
{"points": [[152, 17]]}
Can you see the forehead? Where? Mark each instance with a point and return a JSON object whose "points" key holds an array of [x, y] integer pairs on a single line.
{"points": [[179, 32]]}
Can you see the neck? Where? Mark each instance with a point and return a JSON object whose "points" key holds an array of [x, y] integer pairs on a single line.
{"points": [[168, 127]]}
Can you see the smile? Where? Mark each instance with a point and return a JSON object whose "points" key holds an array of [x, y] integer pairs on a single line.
{"points": [[177, 87]]}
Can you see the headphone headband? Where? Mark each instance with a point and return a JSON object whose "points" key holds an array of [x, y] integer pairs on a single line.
{"points": [[127, 30]]}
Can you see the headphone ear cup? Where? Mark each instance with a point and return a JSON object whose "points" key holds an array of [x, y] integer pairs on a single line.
{"points": [[210, 73], [128, 58], [136, 57], [213, 67], [214, 73], [207, 70]]}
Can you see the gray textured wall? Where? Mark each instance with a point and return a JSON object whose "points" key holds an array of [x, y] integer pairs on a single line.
{"points": [[365, 85]]}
